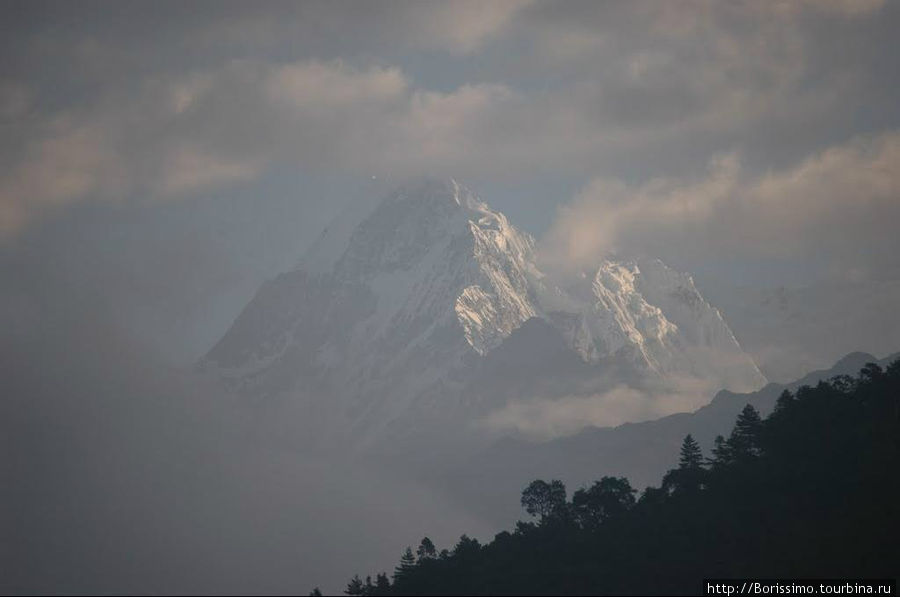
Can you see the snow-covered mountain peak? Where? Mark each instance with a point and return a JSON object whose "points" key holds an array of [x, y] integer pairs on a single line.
{"points": [[438, 201], [396, 307], [417, 219]]}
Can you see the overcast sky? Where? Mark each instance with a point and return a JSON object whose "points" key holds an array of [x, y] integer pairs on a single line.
{"points": [[159, 159]]}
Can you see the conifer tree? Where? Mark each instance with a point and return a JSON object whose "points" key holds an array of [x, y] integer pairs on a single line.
{"points": [[689, 476], [691, 456], [382, 584], [407, 563], [466, 548], [355, 586], [745, 439], [721, 453], [426, 550], [784, 401]]}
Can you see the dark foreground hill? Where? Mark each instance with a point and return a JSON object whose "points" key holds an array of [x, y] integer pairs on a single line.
{"points": [[642, 451], [809, 492]]}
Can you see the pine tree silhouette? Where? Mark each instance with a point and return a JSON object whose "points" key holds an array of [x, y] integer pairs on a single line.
{"points": [[721, 453], [355, 586], [691, 455], [689, 475], [426, 550], [382, 584], [407, 563], [745, 439]]}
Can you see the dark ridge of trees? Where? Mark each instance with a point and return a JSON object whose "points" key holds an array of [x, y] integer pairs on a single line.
{"points": [[813, 491]]}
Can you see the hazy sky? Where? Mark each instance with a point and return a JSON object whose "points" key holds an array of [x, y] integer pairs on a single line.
{"points": [[159, 160], [162, 158]]}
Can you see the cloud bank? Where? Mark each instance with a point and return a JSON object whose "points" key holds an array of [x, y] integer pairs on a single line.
{"points": [[503, 91], [836, 208], [559, 417]]}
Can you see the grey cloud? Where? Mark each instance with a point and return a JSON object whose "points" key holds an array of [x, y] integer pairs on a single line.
{"points": [[634, 90], [231, 124], [833, 211]]}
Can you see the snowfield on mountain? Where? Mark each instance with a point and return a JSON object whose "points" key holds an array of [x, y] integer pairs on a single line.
{"points": [[429, 311]]}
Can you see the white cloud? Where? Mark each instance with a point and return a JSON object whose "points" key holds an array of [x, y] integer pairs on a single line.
{"points": [[550, 418], [838, 206]]}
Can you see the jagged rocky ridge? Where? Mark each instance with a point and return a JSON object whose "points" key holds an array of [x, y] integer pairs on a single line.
{"points": [[432, 308]]}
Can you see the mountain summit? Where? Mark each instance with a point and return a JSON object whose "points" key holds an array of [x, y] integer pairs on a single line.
{"points": [[415, 313]]}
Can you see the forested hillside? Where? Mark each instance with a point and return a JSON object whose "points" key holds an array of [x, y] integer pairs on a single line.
{"points": [[809, 492]]}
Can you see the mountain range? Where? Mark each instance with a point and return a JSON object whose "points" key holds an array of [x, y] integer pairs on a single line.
{"points": [[428, 312], [642, 451]]}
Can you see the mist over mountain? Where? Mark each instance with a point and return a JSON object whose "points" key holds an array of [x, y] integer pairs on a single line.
{"points": [[791, 330], [640, 451], [122, 474]]}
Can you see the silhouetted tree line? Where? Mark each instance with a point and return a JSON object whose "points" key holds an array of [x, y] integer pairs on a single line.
{"points": [[809, 492]]}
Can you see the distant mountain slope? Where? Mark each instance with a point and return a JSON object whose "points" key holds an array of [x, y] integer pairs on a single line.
{"points": [[808, 492], [640, 451], [790, 330]]}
